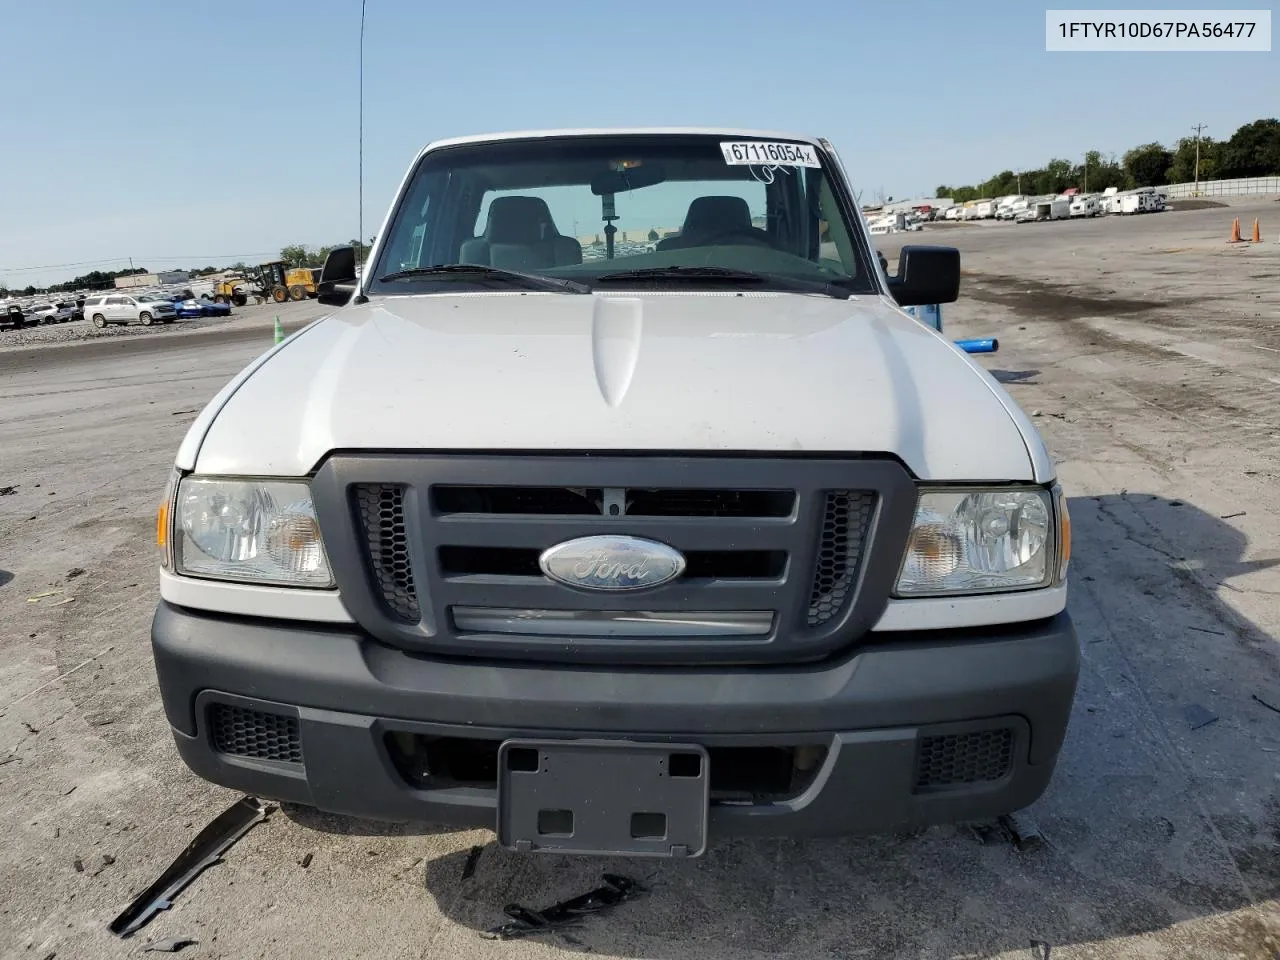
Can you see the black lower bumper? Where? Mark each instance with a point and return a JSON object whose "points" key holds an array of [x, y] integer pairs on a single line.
{"points": [[917, 729]]}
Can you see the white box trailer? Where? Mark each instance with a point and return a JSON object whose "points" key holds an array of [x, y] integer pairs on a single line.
{"points": [[1054, 208]]}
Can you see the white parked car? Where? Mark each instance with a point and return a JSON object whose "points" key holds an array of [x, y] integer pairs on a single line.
{"points": [[146, 309], [52, 312], [626, 555]]}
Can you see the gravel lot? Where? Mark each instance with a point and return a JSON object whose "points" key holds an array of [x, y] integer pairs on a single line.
{"points": [[1149, 352], [247, 320]]}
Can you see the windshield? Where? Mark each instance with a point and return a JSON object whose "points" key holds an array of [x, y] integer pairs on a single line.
{"points": [[584, 208]]}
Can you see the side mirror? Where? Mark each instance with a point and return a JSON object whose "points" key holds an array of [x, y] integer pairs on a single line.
{"points": [[926, 275], [337, 277]]}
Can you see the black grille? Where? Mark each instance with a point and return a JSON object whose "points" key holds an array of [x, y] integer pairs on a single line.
{"points": [[253, 733], [817, 541], [959, 759], [844, 529], [381, 507], [590, 501]]}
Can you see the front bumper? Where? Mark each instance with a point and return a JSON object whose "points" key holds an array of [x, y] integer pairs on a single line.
{"points": [[321, 716]]}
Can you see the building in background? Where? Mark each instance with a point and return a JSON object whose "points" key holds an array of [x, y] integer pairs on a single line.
{"points": [[151, 279]]}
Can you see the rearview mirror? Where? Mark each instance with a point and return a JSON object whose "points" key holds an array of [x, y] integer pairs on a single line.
{"points": [[620, 181], [337, 277], [926, 275]]}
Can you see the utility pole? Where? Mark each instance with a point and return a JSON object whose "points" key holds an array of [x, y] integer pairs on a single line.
{"points": [[1085, 188], [1197, 128]]}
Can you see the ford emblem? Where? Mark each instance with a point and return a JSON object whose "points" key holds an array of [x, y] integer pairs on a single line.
{"points": [[612, 563]]}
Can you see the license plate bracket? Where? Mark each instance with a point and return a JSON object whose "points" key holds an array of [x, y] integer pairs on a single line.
{"points": [[603, 797]]}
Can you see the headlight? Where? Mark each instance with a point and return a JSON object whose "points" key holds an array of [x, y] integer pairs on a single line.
{"points": [[980, 541], [250, 530]]}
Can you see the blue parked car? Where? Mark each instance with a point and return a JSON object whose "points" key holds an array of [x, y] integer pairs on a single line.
{"points": [[188, 309]]}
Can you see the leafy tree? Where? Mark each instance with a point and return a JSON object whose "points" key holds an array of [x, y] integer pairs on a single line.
{"points": [[296, 255], [653, 235], [1148, 164], [1097, 173], [1183, 167], [1252, 151]]}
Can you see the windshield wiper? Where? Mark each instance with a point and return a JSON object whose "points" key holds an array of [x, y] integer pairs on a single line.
{"points": [[481, 271], [727, 274]]}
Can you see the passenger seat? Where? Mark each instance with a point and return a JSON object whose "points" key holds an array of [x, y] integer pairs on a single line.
{"points": [[519, 234]]}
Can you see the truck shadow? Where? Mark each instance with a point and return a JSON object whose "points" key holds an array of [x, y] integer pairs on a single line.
{"points": [[1164, 810]]}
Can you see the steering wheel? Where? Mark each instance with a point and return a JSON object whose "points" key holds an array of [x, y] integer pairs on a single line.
{"points": [[747, 234]]}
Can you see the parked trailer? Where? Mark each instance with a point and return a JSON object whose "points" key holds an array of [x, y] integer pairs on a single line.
{"points": [[1134, 203], [1087, 206], [1058, 208]]}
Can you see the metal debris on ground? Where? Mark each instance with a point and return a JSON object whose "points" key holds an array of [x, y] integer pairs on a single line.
{"points": [[30, 728], [8, 491], [75, 572], [1023, 831], [473, 857], [37, 597], [78, 864], [1040, 949], [525, 922], [170, 946], [1270, 706], [1198, 716], [305, 861], [204, 851]]}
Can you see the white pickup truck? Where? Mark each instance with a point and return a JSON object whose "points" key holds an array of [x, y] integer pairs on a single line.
{"points": [[618, 546]]}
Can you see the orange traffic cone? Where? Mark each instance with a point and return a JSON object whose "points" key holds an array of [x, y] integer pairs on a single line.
{"points": [[1235, 231], [1257, 233]]}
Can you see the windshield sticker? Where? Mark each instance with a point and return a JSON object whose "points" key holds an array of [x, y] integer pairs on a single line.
{"points": [[750, 152]]}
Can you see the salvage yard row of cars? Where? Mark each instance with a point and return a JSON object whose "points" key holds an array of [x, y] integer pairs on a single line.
{"points": [[111, 308]]}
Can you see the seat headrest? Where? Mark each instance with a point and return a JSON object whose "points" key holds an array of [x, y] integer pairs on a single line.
{"points": [[717, 214], [524, 220]]}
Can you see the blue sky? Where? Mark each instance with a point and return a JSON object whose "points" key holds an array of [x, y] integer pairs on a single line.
{"points": [[195, 132]]}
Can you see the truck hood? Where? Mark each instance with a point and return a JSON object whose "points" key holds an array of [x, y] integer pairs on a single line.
{"points": [[754, 372]]}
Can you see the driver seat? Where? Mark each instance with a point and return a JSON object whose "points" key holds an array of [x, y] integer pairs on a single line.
{"points": [[520, 235], [709, 217]]}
